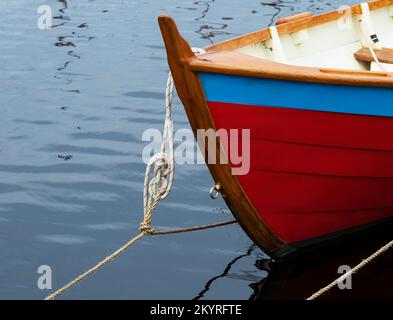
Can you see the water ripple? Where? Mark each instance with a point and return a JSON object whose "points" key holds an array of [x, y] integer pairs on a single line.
{"points": [[65, 239]]}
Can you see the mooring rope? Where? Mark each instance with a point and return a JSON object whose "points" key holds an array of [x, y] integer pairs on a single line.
{"points": [[95, 268], [353, 271], [128, 245], [157, 186]]}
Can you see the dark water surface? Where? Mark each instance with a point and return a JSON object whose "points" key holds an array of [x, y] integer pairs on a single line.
{"points": [[74, 103]]}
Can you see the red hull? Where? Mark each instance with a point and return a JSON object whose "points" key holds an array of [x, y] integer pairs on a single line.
{"points": [[314, 173]]}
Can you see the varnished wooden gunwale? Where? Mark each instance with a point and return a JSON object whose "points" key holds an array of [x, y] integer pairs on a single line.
{"points": [[191, 93], [233, 63], [300, 16], [292, 26]]}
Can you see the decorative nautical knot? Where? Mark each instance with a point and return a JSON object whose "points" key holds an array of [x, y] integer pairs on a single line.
{"points": [[146, 229], [160, 170], [159, 181]]}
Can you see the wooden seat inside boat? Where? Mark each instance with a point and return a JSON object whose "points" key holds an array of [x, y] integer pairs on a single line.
{"points": [[384, 55]]}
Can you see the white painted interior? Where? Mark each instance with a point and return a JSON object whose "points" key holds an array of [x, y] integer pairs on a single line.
{"points": [[329, 45]]}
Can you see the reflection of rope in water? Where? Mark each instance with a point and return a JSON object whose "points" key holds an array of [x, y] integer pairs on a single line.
{"points": [[212, 34], [62, 11], [214, 26], [206, 10], [65, 4], [279, 6], [61, 40], [224, 273], [68, 42]]}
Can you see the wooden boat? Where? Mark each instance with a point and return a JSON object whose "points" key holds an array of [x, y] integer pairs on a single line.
{"points": [[317, 99]]}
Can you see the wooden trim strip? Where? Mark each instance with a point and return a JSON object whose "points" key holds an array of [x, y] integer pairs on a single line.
{"points": [[295, 17], [233, 63], [354, 72]]}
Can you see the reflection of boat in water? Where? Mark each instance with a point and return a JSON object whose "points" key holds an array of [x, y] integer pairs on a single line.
{"points": [[320, 121], [299, 278]]}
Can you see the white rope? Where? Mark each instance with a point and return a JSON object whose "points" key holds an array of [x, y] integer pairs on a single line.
{"points": [[162, 165], [353, 271], [158, 186]]}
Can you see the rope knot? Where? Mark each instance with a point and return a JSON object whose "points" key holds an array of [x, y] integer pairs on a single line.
{"points": [[146, 228], [162, 171]]}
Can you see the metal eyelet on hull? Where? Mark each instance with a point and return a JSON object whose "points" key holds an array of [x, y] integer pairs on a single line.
{"points": [[215, 191]]}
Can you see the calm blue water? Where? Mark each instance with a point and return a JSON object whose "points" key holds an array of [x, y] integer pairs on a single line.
{"points": [[75, 101]]}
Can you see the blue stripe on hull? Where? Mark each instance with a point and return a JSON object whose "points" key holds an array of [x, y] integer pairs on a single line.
{"points": [[298, 95]]}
